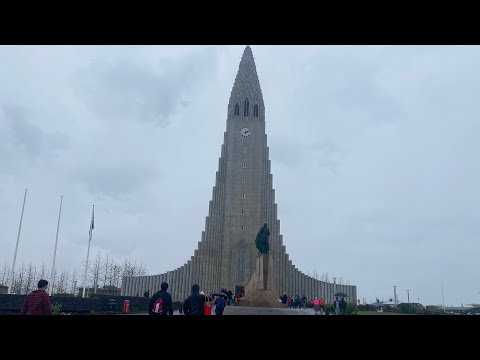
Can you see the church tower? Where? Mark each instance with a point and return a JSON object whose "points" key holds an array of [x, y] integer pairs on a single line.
{"points": [[247, 176], [243, 200]]}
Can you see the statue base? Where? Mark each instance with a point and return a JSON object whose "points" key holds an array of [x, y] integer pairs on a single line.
{"points": [[261, 290]]}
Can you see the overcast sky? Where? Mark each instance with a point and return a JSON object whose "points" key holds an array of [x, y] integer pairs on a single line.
{"points": [[374, 151]]}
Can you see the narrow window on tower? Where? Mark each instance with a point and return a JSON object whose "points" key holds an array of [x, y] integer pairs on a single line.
{"points": [[245, 108], [241, 265], [243, 196], [255, 111], [243, 212], [244, 165], [237, 110], [243, 180], [242, 228]]}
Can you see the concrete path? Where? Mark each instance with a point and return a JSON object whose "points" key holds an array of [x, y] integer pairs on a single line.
{"points": [[244, 310], [247, 310]]}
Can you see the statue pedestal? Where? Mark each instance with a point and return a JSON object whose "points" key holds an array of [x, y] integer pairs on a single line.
{"points": [[261, 290]]}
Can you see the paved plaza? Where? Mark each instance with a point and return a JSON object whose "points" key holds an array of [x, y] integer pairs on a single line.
{"points": [[247, 310]]}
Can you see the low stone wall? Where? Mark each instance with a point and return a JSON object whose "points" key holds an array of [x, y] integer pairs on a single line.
{"points": [[93, 305]]}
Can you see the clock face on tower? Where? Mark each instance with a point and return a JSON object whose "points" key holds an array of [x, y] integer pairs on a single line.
{"points": [[245, 132]]}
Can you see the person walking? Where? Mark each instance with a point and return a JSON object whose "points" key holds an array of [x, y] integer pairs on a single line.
{"points": [[316, 304], [343, 306], [321, 305], [38, 301], [336, 306], [219, 305], [194, 304], [161, 302]]}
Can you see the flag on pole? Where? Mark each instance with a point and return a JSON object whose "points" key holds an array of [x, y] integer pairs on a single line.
{"points": [[92, 223]]}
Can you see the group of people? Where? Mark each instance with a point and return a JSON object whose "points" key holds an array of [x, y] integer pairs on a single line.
{"points": [[295, 303], [319, 305], [340, 306], [198, 303], [229, 294], [38, 302]]}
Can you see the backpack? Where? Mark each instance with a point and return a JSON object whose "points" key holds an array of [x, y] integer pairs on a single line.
{"points": [[158, 306], [207, 307], [220, 304]]}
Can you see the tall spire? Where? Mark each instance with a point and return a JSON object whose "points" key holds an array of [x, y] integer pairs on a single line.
{"points": [[246, 82]]}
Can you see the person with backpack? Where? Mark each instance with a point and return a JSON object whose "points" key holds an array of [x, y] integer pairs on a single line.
{"points": [[161, 302], [219, 305]]}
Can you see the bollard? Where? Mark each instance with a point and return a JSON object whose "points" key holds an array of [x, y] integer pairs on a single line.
{"points": [[111, 306]]}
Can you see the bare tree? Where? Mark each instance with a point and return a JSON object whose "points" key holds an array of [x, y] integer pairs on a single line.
{"points": [[340, 280], [111, 273], [117, 275], [95, 271], [35, 279], [43, 271], [53, 282], [105, 272], [19, 279], [4, 274], [324, 277], [63, 281], [30, 278], [73, 281], [142, 270], [128, 268]]}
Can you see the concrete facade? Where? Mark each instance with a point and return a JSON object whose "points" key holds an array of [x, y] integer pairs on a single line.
{"points": [[243, 199]]}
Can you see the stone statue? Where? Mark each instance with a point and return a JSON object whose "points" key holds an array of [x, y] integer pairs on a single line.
{"points": [[261, 242]]}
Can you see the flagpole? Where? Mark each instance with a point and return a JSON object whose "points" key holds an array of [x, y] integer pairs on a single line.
{"points": [[52, 275], [443, 299], [16, 247], [88, 253]]}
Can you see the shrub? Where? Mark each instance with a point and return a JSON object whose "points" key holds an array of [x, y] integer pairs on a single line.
{"points": [[64, 294], [57, 309], [352, 309], [366, 307]]}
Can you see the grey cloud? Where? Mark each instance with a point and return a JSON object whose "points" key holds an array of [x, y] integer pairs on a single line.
{"points": [[20, 136], [326, 154], [57, 141], [131, 91], [26, 136], [286, 152], [113, 179], [373, 153]]}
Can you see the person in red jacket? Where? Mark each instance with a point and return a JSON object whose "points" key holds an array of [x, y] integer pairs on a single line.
{"points": [[316, 304], [38, 302]]}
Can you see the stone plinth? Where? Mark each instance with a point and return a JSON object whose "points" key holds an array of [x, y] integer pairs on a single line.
{"points": [[261, 290]]}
